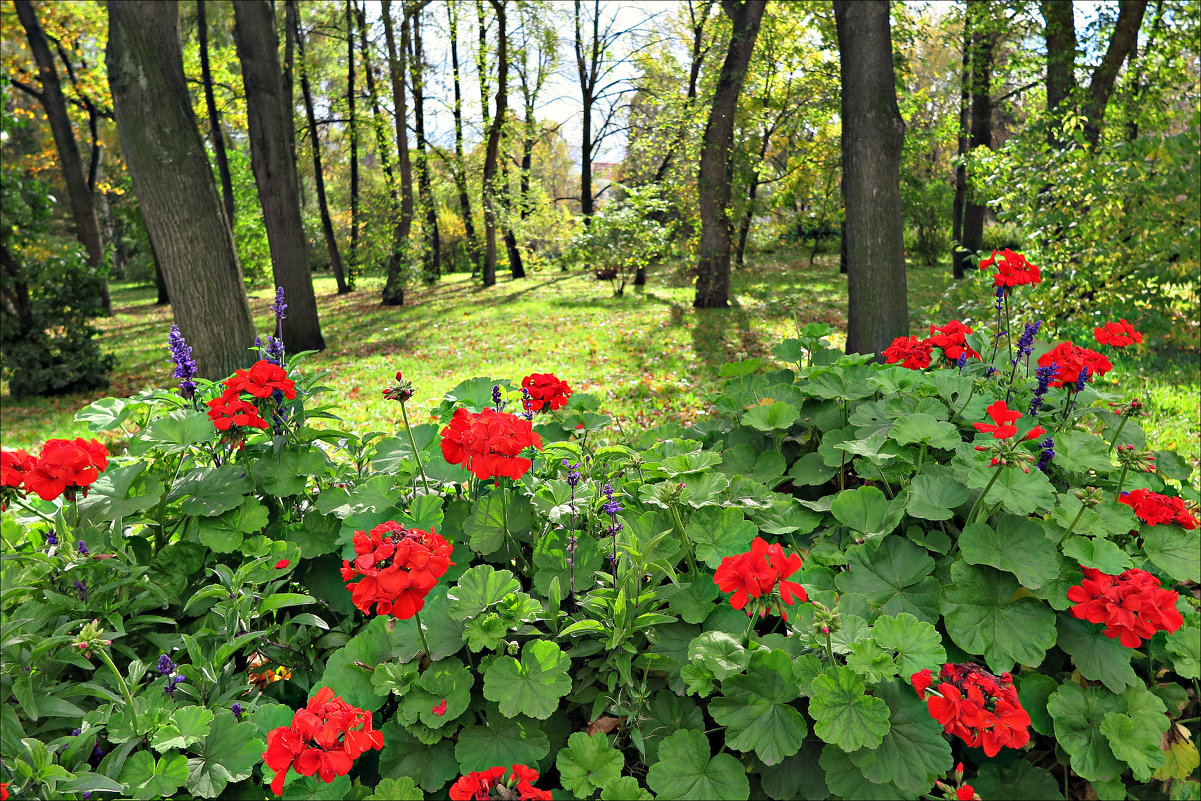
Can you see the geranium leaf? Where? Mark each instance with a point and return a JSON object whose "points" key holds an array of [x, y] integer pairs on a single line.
{"points": [[430, 766], [312, 788], [914, 752], [210, 491], [917, 643], [492, 515], [588, 763], [935, 497], [625, 788], [685, 770], [188, 724], [843, 714], [285, 473], [402, 789], [229, 753], [148, 779], [983, 617], [845, 780], [479, 588], [867, 511], [1134, 743], [1174, 550], [895, 577], [1081, 452], [106, 413], [502, 740], [771, 417], [1019, 492], [924, 429], [798, 777], [1078, 713], [717, 533], [1097, 657], [176, 432], [754, 708], [447, 681], [531, 687], [719, 652], [1099, 554], [1017, 781], [1015, 545], [550, 560]]}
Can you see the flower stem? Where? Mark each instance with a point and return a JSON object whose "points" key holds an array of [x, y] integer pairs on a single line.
{"points": [[1076, 520], [1117, 433], [416, 454], [829, 648], [1121, 481], [750, 628], [971, 516], [120, 679], [421, 633], [24, 505]]}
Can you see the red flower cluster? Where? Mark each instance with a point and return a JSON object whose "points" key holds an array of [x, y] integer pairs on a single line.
{"points": [[760, 574], [1070, 360], [1004, 419], [911, 352], [1154, 509], [396, 568], [974, 705], [478, 785], [1132, 606], [1117, 335], [325, 738], [1012, 269], [952, 338], [546, 391], [231, 414], [64, 466], [489, 443]]}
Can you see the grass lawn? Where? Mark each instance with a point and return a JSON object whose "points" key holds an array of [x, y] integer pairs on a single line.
{"points": [[649, 355]]}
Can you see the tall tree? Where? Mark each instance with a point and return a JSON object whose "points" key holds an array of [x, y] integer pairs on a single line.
{"points": [[537, 38], [872, 136], [417, 69], [306, 93], [716, 168], [699, 12], [459, 168], [79, 192], [393, 292], [984, 39], [491, 152], [269, 120], [353, 130], [216, 138], [960, 254], [174, 184]]}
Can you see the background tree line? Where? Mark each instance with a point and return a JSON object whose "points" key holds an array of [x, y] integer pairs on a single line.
{"points": [[211, 144]]}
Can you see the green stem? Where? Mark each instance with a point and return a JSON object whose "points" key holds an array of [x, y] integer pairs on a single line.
{"points": [[679, 525], [416, 454], [957, 412], [120, 679], [971, 516], [750, 627], [921, 457], [421, 633], [1121, 481], [884, 481], [1075, 520], [21, 502], [829, 648], [1117, 433]]}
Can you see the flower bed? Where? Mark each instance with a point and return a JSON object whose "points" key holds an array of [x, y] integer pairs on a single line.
{"points": [[960, 574]]}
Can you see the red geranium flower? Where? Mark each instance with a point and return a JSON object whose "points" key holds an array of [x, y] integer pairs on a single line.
{"points": [[325, 738], [1012, 269], [1004, 418], [440, 709], [760, 573], [911, 352], [546, 391], [952, 339], [489, 443], [965, 793], [13, 467], [396, 568], [66, 465], [1132, 606], [1117, 335], [970, 703], [229, 411], [4, 791], [478, 785], [1153, 508], [1070, 360], [262, 379]]}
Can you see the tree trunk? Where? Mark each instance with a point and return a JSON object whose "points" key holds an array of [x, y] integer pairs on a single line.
{"points": [[174, 184], [353, 130], [697, 27], [83, 208], [744, 225], [960, 254], [1059, 32], [586, 68], [306, 92], [210, 103], [872, 135], [432, 267], [984, 38], [716, 168], [459, 168], [271, 146], [1121, 43], [382, 146], [492, 150], [394, 293]]}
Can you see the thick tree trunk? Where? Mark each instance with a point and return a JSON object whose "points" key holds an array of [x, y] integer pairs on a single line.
{"points": [[210, 103], [716, 169], [459, 168], [79, 194], [492, 150], [872, 135], [174, 184], [1059, 32], [353, 130], [306, 92], [983, 40], [271, 146], [394, 285], [432, 267], [960, 254]]}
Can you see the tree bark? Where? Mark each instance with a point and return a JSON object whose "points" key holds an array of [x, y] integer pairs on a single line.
{"points": [[382, 146], [716, 168], [432, 267], [586, 68], [493, 147], [79, 194], [353, 130], [174, 184], [306, 92], [1121, 43], [960, 254], [271, 146], [984, 37], [210, 103], [459, 167], [872, 135], [394, 289], [1059, 32]]}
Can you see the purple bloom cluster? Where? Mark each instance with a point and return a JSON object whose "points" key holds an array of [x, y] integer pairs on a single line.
{"points": [[1048, 446], [612, 507], [185, 365], [275, 351], [1043, 375], [82, 589], [1026, 341], [573, 475], [51, 538], [528, 414], [237, 710], [496, 399], [82, 547], [279, 307], [165, 666], [1082, 379]]}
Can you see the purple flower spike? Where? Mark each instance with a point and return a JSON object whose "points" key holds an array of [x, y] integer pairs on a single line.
{"points": [[1026, 342], [185, 365], [1048, 446], [237, 710], [279, 307], [165, 666], [82, 547]]}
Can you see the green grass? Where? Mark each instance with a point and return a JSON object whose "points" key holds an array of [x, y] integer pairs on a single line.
{"points": [[649, 355]]}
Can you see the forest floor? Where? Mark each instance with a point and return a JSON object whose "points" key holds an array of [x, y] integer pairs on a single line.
{"points": [[648, 354]]}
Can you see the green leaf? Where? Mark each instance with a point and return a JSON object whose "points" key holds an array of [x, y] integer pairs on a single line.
{"points": [[478, 589], [785, 516], [1174, 550], [550, 560], [914, 752], [1019, 492], [846, 383], [148, 779], [188, 725], [1017, 781], [229, 753], [719, 652], [983, 617], [1097, 657], [1081, 452], [430, 767], [1108, 519], [1016, 545], [917, 643], [210, 491], [895, 577], [811, 470], [866, 510], [686, 771], [534, 685], [1167, 463], [109, 498], [224, 533], [312, 788], [176, 432], [448, 680], [798, 777], [925, 429], [625, 788], [1099, 554], [770, 417], [402, 789], [284, 474], [1184, 647], [588, 763], [105, 414], [502, 740], [935, 497], [1078, 712], [843, 715], [754, 708], [718, 533], [685, 464], [489, 519], [845, 780], [1135, 743]]}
